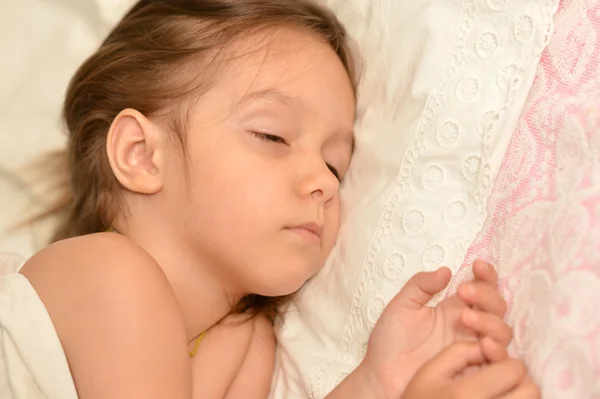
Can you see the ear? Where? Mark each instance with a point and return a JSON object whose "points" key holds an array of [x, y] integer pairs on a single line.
{"points": [[135, 151]]}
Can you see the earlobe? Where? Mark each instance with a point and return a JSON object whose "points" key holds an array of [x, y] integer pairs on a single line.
{"points": [[134, 149]]}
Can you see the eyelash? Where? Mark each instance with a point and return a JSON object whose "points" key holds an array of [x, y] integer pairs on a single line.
{"points": [[334, 172], [280, 140], [270, 137]]}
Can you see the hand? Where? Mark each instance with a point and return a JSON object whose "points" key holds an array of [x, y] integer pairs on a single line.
{"points": [[439, 378], [409, 333], [443, 377]]}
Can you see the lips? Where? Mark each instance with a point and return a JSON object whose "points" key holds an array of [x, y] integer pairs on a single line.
{"points": [[310, 230], [314, 228]]}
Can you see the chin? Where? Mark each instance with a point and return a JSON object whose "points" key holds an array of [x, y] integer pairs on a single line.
{"points": [[280, 285], [281, 289], [283, 275]]}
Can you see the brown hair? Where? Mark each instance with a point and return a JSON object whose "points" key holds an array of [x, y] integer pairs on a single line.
{"points": [[134, 68]]}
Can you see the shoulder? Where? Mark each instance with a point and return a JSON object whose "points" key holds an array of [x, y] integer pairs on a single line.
{"points": [[86, 252], [263, 336], [256, 372], [91, 248], [114, 312], [103, 261], [100, 269], [237, 357]]}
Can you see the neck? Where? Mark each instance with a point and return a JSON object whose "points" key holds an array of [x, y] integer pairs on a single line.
{"points": [[203, 297]]}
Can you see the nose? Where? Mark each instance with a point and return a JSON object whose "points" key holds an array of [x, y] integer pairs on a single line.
{"points": [[317, 181]]}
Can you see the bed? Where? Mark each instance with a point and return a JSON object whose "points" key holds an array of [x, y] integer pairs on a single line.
{"points": [[478, 136]]}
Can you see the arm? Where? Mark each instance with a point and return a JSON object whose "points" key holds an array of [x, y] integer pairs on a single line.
{"points": [[116, 316], [360, 384]]}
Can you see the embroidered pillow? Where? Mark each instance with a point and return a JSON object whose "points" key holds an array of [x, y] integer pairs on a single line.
{"points": [[443, 87]]}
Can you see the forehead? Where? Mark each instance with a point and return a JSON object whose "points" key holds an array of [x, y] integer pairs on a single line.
{"points": [[291, 68]]}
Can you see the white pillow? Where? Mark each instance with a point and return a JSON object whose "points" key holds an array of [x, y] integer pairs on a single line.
{"points": [[43, 43], [444, 83]]}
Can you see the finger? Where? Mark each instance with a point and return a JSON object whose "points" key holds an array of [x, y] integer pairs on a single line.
{"points": [[454, 359], [470, 371], [487, 325], [492, 350], [422, 287], [494, 380], [483, 296], [485, 272], [527, 390]]}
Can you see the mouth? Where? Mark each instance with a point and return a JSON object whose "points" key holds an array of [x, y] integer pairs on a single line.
{"points": [[311, 231]]}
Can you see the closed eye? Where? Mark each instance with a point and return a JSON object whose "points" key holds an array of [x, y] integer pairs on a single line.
{"points": [[334, 171], [280, 140], [269, 137]]}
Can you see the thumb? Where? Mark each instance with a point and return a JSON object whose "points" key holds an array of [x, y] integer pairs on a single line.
{"points": [[422, 287], [454, 359]]}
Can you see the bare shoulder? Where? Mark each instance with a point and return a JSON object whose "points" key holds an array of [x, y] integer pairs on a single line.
{"points": [[96, 269], [116, 316], [103, 252], [237, 357], [253, 379], [263, 336]]}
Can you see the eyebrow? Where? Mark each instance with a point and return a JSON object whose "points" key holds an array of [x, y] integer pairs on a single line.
{"points": [[271, 95]]}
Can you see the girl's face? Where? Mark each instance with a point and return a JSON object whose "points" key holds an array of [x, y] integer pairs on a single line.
{"points": [[268, 145]]}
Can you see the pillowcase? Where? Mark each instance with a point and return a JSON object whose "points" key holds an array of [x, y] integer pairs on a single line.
{"points": [[543, 228], [443, 86]]}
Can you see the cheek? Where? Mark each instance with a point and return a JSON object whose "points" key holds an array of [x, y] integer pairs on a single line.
{"points": [[333, 215], [239, 192]]}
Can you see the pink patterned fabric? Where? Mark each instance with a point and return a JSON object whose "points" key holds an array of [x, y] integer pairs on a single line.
{"points": [[543, 215]]}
